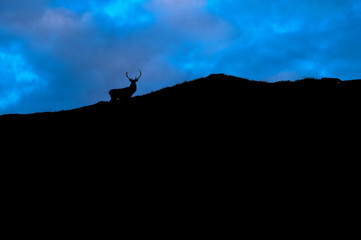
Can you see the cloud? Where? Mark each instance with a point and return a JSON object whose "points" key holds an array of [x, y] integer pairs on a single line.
{"points": [[300, 37], [71, 52], [25, 80]]}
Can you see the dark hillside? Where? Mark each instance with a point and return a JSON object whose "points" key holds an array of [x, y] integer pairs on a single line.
{"points": [[243, 144], [208, 111], [218, 98]]}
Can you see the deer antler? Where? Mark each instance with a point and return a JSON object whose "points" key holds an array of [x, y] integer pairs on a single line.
{"points": [[127, 75], [140, 74]]}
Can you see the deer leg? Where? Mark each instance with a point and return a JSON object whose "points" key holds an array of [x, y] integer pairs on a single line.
{"points": [[112, 99]]}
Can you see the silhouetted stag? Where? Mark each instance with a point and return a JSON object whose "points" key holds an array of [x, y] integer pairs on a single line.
{"points": [[124, 94]]}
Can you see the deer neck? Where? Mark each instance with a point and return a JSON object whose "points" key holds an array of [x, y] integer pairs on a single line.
{"points": [[133, 86]]}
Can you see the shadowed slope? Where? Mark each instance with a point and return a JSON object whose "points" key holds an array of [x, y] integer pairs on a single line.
{"points": [[219, 95], [217, 147]]}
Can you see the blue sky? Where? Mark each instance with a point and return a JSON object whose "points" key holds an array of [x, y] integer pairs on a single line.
{"points": [[62, 54]]}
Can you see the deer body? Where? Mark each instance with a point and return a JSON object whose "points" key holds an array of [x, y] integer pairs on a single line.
{"points": [[124, 94]]}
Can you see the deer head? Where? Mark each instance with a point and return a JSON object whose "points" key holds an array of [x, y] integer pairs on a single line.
{"points": [[134, 80]]}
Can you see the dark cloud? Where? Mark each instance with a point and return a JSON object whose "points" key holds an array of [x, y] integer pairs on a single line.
{"points": [[61, 54], [300, 38]]}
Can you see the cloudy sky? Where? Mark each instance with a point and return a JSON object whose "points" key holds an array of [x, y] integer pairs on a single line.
{"points": [[62, 54]]}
